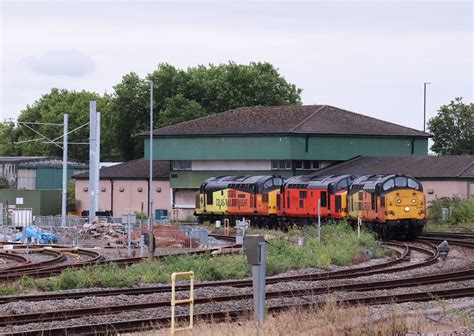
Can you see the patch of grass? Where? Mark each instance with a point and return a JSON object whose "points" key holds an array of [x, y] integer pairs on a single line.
{"points": [[339, 245], [432, 226], [462, 316], [8, 290]]}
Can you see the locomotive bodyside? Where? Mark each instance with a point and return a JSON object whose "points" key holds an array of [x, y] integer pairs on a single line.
{"points": [[301, 194], [234, 197]]}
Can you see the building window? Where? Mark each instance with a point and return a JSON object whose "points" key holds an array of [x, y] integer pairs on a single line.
{"points": [[181, 165], [281, 164], [306, 165]]}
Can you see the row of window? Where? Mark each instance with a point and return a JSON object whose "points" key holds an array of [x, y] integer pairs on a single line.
{"points": [[181, 165], [276, 165], [297, 164]]}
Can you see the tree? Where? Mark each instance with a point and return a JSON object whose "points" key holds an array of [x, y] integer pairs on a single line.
{"points": [[7, 148], [182, 95], [50, 109], [4, 184], [453, 129], [179, 109], [71, 201]]}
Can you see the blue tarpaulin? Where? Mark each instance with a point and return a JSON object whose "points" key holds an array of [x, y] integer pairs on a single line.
{"points": [[41, 237]]}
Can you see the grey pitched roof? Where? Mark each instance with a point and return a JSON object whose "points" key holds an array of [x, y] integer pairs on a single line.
{"points": [[305, 119], [450, 166], [132, 170], [23, 159]]}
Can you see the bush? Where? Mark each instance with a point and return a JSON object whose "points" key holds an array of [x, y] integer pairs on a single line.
{"points": [[461, 211]]}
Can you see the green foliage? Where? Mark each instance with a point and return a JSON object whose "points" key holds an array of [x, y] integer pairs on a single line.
{"points": [[340, 245], [182, 95], [71, 202], [452, 129], [8, 290], [7, 148], [461, 211], [50, 108], [4, 183]]}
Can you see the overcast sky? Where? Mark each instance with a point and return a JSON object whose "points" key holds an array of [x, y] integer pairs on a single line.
{"points": [[368, 57]]}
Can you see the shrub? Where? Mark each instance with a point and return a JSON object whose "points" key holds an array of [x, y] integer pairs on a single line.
{"points": [[461, 211]]}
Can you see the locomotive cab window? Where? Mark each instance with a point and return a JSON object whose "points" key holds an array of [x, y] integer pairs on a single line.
{"points": [[209, 197], [268, 184], [277, 181], [388, 185], [342, 185], [413, 184], [401, 181]]}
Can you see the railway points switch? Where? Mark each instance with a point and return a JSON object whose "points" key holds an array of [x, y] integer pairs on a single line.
{"points": [[443, 249], [252, 249]]}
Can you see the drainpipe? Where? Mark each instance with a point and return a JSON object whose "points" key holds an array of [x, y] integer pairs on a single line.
{"points": [[112, 196], [413, 146], [149, 194]]}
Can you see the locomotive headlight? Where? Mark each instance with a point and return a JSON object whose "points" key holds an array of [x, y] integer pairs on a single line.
{"points": [[399, 201], [413, 200], [407, 209]]}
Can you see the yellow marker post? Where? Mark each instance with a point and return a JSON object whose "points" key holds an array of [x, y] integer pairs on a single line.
{"points": [[226, 226], [175, 302]]}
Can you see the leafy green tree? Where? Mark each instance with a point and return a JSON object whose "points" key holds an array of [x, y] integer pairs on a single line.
{"points": [[181, 95], [179, 109], [7, 148], [453, 129], [130, 115], [4, 185], [71, 201], [50, 109]]}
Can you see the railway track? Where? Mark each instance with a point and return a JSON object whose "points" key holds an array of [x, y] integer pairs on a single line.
{"points": [[402, 255], [114, 327], [46, 268], [54, 315], [460, 239]]}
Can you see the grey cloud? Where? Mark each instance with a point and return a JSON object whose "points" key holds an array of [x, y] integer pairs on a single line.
{"points": [[70, 63]]}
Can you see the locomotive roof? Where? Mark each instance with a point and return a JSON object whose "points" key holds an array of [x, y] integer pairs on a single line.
{"points": [[316, 181], [224, 181], [369, 182]]}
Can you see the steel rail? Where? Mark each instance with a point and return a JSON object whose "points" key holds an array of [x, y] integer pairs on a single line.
{"points": [[55, 315], [15, 257], [58, 257], [354, 272], [7, 276], [457, 242], [115, 327]]}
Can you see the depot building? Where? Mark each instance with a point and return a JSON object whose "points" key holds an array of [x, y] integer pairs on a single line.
{"points": [[281, 140]]}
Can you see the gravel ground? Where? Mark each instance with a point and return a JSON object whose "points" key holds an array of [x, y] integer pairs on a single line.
{"points": [[222, 306], [459, 258]]}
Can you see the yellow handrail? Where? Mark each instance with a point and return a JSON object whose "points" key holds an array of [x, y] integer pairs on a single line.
{"points": [[175, 302]]}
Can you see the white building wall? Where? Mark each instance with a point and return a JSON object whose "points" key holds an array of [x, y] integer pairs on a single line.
{"points": [[26, 178]]}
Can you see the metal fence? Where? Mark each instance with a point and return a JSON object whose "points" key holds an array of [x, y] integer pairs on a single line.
{"points": [[106, 231]]}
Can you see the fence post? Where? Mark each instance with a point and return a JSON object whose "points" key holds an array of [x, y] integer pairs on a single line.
{"points": [[319, 220]]}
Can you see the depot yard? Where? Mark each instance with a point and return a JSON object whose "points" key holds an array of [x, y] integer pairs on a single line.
{"points": [[338, 273], [339, 246]]}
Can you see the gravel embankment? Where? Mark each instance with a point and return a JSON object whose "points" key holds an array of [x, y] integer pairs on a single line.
{"points": [[224, 306]]}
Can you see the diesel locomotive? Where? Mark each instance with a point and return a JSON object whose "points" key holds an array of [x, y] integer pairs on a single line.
{"points": [[391, 205]]}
